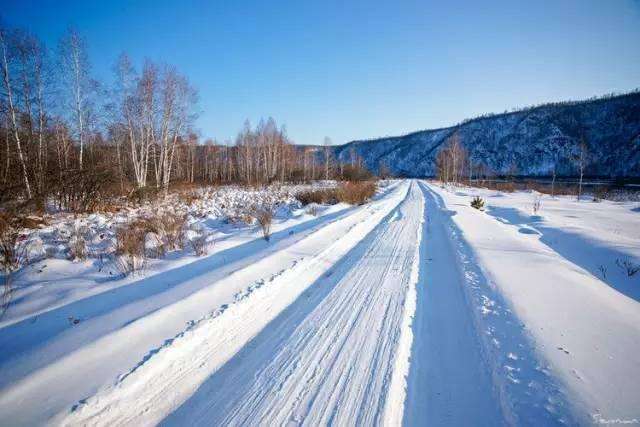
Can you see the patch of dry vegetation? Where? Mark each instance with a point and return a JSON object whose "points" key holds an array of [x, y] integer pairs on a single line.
{"points": [[352, 192], [356, 193], [264, 217], [13, 252], [324, 196], [130, 250]]}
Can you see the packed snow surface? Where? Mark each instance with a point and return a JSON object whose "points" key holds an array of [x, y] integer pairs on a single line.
{"points": [[412, 309]]}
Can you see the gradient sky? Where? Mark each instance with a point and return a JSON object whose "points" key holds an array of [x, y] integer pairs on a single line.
{"points": [[358, 69]]}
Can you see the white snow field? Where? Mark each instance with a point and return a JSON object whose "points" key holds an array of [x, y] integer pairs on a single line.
{"points": [[413, 309]]}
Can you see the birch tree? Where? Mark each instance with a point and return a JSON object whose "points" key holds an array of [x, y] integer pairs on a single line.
{"points": [[580, 160], [8, 85], [74, 65], [327, 156]]}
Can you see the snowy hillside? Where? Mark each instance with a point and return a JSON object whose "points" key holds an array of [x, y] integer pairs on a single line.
{"points": [[531, 140]]}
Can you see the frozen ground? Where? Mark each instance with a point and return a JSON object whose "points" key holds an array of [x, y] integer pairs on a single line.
{"points": [[413, 309]]}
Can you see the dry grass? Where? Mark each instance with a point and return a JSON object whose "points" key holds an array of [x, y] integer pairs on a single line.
{"points": [[13, 243], [264, 217], [356, 193], [14, 253], [199, 243], [142, 195], [78, 245], [129, 253], [171, 228], [189, 197], [320, 196]]}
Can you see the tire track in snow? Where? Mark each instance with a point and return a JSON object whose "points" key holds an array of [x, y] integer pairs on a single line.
{"points": [[163, 383], [329, 358], [524, 389]]}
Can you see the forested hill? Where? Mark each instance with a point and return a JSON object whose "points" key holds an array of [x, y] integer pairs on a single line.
{"points": [[526, 142]]}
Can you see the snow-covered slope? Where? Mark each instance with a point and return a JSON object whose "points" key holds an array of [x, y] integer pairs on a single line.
{"points": [[530, 140]]}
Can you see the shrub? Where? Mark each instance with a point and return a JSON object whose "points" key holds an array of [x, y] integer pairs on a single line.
{"points": [[477, 203], [78, 244], [599, 193], [14, 247], [83, 190], [628, 266], [356, 173], [154, 245], [13, 243], [143, 194], [129, 253], [264, 217], [537, 204], [356, 193], [313, 210], [319, 196], [199, 242], [188, 197], [171, 227]]}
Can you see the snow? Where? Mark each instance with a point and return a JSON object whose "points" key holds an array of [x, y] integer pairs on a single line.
{"points": [[56, 279], [177, 371], [412, 309], [584, 329]]}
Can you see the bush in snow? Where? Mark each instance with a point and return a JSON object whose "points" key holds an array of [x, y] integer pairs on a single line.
{"points": [[264, 217], [537, 204], [477, 203], [628, 266], [356, 193], [130, 246], [199, 240], [171, 228], [189, 197], [600, 193], [14, 246], [78, 247], [141, 195], [13, 243], [313, 210], [77, 243], [319, 196]]}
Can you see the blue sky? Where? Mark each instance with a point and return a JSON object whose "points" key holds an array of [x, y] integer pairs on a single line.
{"points": [[359, 69]]}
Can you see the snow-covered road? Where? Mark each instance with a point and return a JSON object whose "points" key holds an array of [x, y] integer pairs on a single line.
{"points": [[414, 309], [329, 357]]}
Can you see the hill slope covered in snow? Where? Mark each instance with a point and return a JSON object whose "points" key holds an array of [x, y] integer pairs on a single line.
{"points": [[527, 142]]}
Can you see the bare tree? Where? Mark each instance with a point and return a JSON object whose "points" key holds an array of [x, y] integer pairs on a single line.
{"points": [[8, 84], [178, 103], [74, 64], [451, 160], [580, 159], [327, 156], [554, 167]]}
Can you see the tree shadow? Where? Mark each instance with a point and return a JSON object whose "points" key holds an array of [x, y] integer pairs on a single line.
{"points": [[215, 399], [125, 304], [598, 258]]}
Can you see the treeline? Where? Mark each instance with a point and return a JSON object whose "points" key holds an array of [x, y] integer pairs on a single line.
{"points": [[533, 107], [455, 164], [71, 139]]}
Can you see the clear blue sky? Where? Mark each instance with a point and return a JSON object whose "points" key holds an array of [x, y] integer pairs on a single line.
{"points": [[359, 69]]}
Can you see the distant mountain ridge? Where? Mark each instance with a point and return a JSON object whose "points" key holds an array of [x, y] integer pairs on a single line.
{"points": [[527, 142]]}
